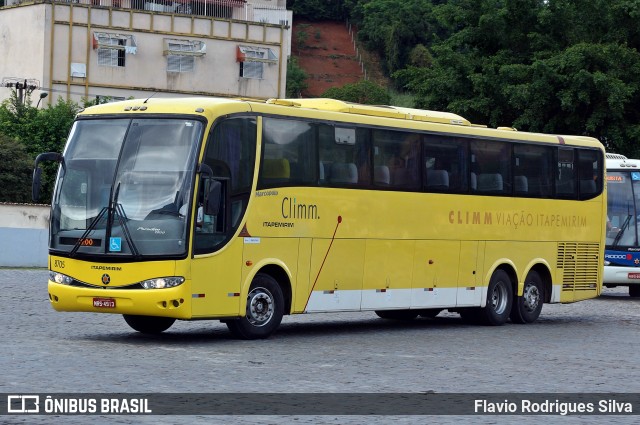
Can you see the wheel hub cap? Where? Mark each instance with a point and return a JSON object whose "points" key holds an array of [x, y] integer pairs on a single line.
{"points": [[259, 307]]}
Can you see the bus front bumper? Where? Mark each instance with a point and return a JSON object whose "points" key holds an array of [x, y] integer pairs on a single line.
{"points": [[167, 302], [622, 276]]}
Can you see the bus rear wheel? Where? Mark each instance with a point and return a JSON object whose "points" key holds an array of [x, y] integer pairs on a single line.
{"points": [[634, 291], [148, 324], [527, 308], [265, 308], [397, 314], [499, 300]]}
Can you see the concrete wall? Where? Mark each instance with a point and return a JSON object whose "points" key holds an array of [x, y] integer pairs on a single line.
{"points": [[22, 46], [45, 42], [24, 235]]}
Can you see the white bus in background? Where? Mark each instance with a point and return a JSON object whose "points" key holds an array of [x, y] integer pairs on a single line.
{"points": [[622, 251]]}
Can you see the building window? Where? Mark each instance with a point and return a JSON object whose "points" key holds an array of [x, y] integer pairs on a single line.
{"points": [[181, 54], [113, 48], [252, 60]]}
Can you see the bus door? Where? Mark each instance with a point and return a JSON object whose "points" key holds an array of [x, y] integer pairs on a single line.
{"points": [[226, 175]]}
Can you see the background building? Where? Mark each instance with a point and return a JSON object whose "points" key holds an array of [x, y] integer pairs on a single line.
{"points": [[134, 48]]}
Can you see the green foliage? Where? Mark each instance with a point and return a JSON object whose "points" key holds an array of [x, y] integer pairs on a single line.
{"points": [[568, 67], [317, 9], [364, 91], [302, 36], [15, 172], [296, 79], [420, 56], [35, 131], [393, 27]]}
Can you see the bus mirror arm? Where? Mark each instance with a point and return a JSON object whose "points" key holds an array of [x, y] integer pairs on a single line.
{"points": [[37, 172]]}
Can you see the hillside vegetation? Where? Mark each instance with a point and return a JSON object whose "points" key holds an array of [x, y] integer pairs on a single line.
{"points": [[555, 66]]}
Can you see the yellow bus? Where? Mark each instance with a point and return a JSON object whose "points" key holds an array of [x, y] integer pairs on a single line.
{"points": [[244, 210]]}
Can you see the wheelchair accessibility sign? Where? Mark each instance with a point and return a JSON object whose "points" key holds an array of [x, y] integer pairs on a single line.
{"points": [[115, 244]]}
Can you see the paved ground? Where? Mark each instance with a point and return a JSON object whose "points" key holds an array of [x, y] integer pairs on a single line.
{"points": [[590, 346]]}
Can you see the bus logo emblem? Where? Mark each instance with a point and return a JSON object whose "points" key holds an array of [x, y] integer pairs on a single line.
{"points": [[106, 279]]}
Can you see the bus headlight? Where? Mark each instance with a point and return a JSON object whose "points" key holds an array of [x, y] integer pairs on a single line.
{"points": [[606, 263], [60, 278], [162, 282]]}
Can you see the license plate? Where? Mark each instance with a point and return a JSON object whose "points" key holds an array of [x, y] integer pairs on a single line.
{"points": [[634, 276], [104, 302]]}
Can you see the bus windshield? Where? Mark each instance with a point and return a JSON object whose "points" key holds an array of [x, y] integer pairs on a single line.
{"points": [[125, 187], [622, 215]]}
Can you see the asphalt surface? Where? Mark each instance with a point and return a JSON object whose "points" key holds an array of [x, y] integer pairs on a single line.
{"points": [[587, 347]]}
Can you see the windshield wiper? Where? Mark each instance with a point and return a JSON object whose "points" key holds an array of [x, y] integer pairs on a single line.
{"points": [[116, 210], [86, 233], [624, 227], [113, 210]]}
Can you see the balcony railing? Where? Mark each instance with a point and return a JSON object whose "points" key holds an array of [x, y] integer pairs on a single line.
{"points": [[254, 11]]}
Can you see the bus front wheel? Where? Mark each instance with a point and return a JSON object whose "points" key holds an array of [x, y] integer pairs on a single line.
{"points": [[265, 308], [148, 324], [526, 309], [499, 300]]}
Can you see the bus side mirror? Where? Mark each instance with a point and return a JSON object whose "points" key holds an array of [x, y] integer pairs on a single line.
{"points": [[213, 200], [37, 172]]}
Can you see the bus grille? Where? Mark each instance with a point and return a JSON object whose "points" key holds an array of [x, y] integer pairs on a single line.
{"points": [[580, 264]]}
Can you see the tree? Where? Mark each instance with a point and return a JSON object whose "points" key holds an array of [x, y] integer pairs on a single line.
{"points": [[296, 78], [15, 172], [394, 27], [364, 91], [565, 66], [37, 130], [317, 9]]}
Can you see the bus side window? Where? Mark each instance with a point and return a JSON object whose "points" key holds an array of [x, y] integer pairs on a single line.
{"points": [[344, 156], [396, 159], [289, 153], [230, 153], [493, 173], [590, 172], [532, 171], [445, 164], [566, 177]]}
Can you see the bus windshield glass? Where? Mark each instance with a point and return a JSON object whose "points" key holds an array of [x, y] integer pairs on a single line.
{"points": [[125, 187], [622, 214]]}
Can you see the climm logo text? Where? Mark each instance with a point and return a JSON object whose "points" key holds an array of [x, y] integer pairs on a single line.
{"points": [[291, 208]]}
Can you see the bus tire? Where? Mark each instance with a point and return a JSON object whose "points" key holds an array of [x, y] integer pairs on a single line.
{"points": [[397, 314], [499, 300], [265, 308], [148, 324], [634, 291], [527, 308]]}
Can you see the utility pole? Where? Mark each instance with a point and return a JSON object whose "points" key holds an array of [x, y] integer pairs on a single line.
{"points": [[23, 86]]}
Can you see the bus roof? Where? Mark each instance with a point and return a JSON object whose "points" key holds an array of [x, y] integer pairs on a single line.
{"points": [[621, 162], [212, 106]]}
